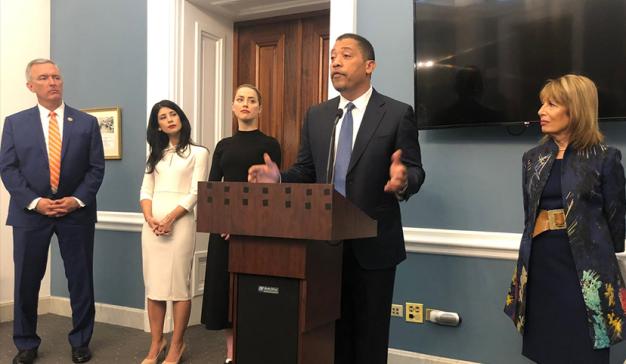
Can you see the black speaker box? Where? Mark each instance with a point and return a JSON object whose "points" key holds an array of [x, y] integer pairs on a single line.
{"points": [[269, 307]]}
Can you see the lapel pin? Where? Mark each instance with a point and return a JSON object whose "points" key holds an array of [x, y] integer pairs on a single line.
{"points": [[70, 119]]}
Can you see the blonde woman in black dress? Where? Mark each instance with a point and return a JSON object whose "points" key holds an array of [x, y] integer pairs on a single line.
{"points": [[231, 160]]}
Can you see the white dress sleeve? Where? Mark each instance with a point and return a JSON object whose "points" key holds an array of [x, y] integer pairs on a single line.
{"points": [[147, 187], [200, 167]]}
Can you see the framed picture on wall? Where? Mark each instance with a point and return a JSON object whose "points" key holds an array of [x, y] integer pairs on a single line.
{"points": [[110, 121]]}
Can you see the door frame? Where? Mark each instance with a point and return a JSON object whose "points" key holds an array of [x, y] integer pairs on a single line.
{"points": [[164, 45]]}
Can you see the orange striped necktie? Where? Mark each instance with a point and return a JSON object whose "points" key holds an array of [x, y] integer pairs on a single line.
{"points": [[54, 151]]}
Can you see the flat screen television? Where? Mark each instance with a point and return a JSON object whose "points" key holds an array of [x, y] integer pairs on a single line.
{"points": [[483, 62]]}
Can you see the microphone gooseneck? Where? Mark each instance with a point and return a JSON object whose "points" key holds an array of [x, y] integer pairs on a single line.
{"points": [[330, 166]]}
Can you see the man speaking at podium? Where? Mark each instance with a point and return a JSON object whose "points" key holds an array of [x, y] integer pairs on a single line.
{"points": [[377, 163]]}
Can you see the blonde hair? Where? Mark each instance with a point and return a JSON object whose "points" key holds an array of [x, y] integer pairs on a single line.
{"points": [[579, 96], [252, 87]]}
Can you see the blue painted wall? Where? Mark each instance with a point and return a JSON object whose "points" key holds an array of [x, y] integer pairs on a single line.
{"points": [[101, 49], [473, 179]]}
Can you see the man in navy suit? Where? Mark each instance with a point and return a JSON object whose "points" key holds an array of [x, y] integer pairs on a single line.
{"points": [[52, 164], [377, 164]]}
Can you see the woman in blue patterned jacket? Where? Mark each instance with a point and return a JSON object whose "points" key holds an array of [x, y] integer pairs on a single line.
{"points": [[567, 296]]}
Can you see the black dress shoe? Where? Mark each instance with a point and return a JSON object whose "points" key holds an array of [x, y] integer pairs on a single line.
{"points": [[25, 356], [81, 355]]}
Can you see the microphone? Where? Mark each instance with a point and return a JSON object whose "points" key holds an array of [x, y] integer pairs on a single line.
{"points": [[527, 123], [330, 166]]}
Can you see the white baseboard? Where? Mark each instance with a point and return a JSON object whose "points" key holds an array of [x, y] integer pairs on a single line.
{"points": [[134, 318], [105, 313], [397, 356], [6, 311]]}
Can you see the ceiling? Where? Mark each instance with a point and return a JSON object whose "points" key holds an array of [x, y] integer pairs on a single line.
{"points": [[240, 10]]}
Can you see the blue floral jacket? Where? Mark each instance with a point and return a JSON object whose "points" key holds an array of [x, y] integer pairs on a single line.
{"points": [[592, 184]]}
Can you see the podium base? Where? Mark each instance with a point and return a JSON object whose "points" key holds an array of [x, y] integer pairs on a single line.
{"points": [[267, 316]]}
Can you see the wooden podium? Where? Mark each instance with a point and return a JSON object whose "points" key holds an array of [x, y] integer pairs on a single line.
{"points": [[285, 264]]}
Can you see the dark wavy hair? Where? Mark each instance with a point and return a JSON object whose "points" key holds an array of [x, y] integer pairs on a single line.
{"points": [[159, 141]]}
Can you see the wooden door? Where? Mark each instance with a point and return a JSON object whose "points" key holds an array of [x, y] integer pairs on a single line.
{"points": [[287, 59]]}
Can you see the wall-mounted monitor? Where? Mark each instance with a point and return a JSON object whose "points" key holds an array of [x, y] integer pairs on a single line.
{"points": [[483, 62]]}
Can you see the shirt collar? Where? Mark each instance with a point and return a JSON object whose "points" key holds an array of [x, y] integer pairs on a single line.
{"points": [[360, 103], [45, 113]]}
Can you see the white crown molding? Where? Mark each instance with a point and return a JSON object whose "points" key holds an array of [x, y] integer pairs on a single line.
{"points": [[120, 221]]}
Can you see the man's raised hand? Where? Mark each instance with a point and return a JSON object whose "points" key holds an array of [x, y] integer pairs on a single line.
{"points": [[264, 173]]}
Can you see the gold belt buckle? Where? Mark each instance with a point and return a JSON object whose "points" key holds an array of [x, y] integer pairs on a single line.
{"points": [[556, 219]]}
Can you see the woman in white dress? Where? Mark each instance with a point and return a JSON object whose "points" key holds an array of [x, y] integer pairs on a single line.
{"points": [[168, 196]]}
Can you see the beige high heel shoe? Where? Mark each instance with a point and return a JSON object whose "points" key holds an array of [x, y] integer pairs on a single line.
{"points": [[180, 355], [162, 347]]}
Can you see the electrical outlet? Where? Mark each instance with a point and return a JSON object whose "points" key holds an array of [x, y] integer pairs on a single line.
{"points": [[414, 312], [396, 310]]}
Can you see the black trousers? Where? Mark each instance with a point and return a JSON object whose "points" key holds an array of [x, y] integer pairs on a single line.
{"points": [[30, 255], [362, 332]]}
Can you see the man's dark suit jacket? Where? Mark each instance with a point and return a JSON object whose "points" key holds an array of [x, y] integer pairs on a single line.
{"points": [[26, 174], [387, 125]]}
